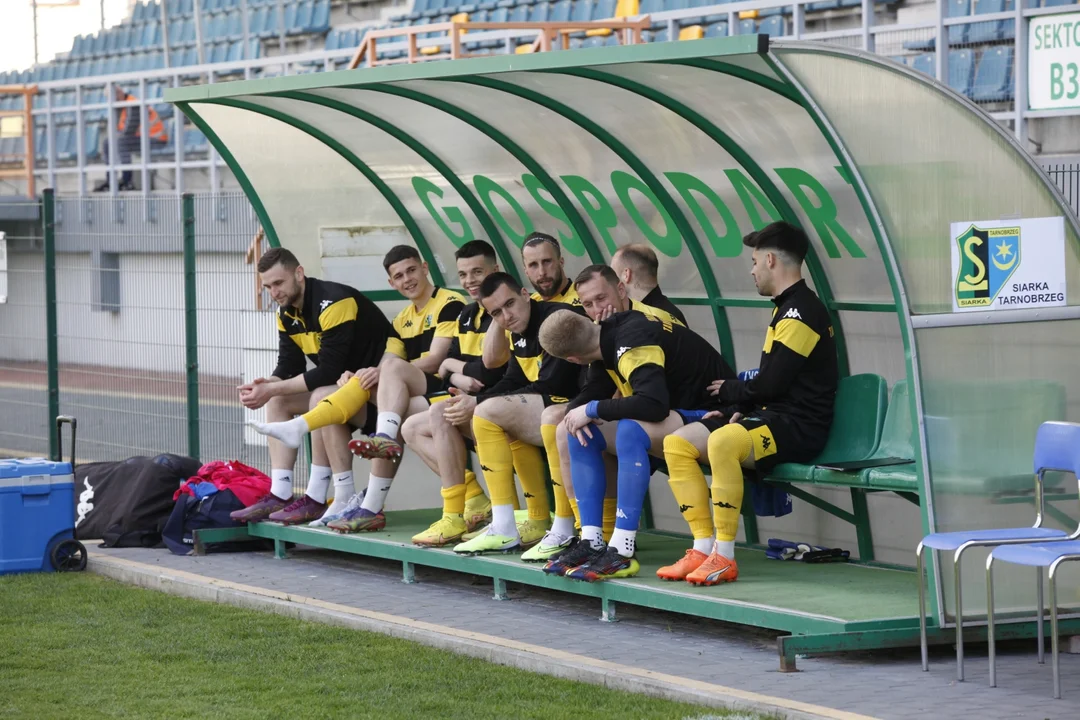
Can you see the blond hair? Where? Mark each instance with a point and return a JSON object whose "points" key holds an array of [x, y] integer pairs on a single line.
{"points": [[565, 334]]}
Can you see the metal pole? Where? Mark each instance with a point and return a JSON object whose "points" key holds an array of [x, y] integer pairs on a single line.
{"points": [[51, 349], [199, 31], [867, 23], [165, 32], [941, 45], [34, 3], [102, 14], [281, 27], [245, 23], [144, 135], [1020, 72], [191, 336]]}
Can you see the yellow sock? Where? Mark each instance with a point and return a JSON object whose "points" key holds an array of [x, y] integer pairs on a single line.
{"points": [[472, 487], [336, 409], [529, 464], [496, 460], [563, 508], [610, 505], [573, 507], [453, 500], [688, 485], [729, 447]]}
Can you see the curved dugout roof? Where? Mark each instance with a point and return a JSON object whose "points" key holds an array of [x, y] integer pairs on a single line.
{"points": [[687, 145]]}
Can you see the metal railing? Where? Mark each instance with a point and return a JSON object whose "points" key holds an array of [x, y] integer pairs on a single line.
{"points": [[190, 163]]}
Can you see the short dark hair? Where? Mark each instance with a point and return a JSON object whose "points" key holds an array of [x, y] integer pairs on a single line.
{"points": [[399, 253], [781, 237], [642, 258], [592, 271], [476, 247], [276, 256], [539, 238], [496, 280]]}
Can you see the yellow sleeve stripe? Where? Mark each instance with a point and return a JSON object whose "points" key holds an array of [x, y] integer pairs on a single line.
{"points": [[634, 358], [446, 329], [280, 325], [796, 335], [654, 312], [396, 347], [335, 314]]}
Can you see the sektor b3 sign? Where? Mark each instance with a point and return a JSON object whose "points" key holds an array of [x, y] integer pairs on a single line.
{"points": [[1054, 62]]}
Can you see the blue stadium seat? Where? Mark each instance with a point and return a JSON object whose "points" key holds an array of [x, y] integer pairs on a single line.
{"points": [[717, 29], [215, 27], [176, 58], [993, 78], [660, 36], [987, 31], [825, 5], [258, 21], [747, 27], [320, 17], [219, 53], [1057, 3], [92, 142], [290, 17], [40, 144], [540, 12], [592, 42], [138, 13], [210, 5], [302, 21], [961, 70], [924, 63], [98, 46], [519, 14], [773, 26], [64, 143], [583, 10], [560, 11], [187, 31], [234, 25], [958, 8], [603, 10]]}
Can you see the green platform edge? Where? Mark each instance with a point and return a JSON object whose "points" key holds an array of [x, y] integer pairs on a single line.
{"points": [[810, 632]]}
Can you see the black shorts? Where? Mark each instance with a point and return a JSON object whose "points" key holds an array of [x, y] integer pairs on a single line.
{"points": [[775, 439], [434, 384], [370, 419]]}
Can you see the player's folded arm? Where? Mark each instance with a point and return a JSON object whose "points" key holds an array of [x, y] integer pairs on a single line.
{"points": [[598, 386], [649, 402], [792, 343], [333, 355]]}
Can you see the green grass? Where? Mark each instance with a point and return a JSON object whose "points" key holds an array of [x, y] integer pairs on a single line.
{"points": [[81, 646]]}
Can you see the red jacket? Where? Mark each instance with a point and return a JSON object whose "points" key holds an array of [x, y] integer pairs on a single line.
{"points": [[247, 483]]}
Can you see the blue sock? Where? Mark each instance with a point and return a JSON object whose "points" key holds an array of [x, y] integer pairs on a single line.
{"points": [[632, 443], [590, 481]]}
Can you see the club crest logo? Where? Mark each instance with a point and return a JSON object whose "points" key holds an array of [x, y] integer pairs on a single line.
{"points": [[988, 258]]}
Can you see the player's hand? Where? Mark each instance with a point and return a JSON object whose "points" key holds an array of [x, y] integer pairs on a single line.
{"points": [[368, 377], [579, 425], [714, 387], [257, 395], [459, 409], [246, 388], [735, 417], [712, 414], [606, 313], [466, 383], [345, 377]]}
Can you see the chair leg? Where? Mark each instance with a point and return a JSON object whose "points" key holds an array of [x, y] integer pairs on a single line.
{"points": [[1040, 604], [1054, 633], [959, 621], [922, 607], [992, 648]]}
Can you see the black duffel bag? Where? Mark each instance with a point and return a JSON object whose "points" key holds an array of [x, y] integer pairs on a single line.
{"points": [[126, 504]]}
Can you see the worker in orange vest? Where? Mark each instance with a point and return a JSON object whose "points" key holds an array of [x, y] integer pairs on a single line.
{"points": [[129, 137]]}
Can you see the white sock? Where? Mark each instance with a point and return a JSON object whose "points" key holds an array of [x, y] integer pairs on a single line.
{"points": [[281, 484], [623, 541], [502, 520], [704, 545], [318, 483], [388, 424], [344, 488], [726, 548], [291, 432], [563, 526], [593, 535], [377, 490]]}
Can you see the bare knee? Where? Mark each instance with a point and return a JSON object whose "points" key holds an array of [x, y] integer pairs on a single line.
{"points": [[278, 409], [413, 428], [553, 414], [320, 394], [560, 436], [490, 410]]}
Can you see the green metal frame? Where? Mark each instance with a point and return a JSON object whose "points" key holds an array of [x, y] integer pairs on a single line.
{"points": [[723, 327], [350, 157], [52, 353], [191, 324], [431, 158], [893, 270]]}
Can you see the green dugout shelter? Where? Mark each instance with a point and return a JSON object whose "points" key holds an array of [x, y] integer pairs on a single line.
{"points": [[948, 259]]}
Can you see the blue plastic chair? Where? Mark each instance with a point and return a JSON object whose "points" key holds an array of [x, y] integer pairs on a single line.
{"points": [[1057, 448]]}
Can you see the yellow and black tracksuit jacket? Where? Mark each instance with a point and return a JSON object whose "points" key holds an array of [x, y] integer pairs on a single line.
{"points": [[472, 326], [414, 329], [338, 328], [657, 299], [567, 295], [795, 388], [530, 369], [656, 365]]}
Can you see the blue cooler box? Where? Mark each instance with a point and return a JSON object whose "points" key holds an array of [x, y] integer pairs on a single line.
{"points": [[37, 510]]}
